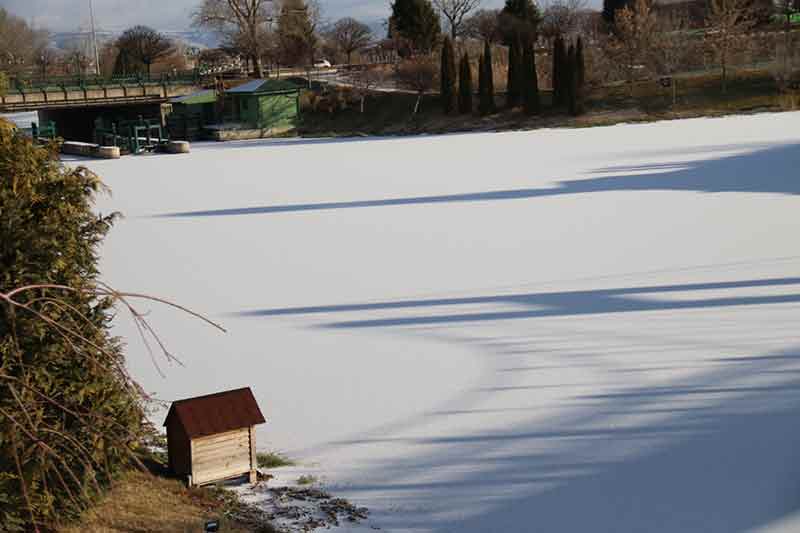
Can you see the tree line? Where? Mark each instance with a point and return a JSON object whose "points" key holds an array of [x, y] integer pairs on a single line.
{"points": [[577, 48]]}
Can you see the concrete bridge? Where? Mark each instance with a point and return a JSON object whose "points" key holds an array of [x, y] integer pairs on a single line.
{"points": [[60, 97], [74, 104]]}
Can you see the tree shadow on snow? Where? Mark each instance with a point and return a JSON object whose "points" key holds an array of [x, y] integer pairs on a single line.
{"points": [[549, 304], [715, 451], [729, 465], [769, 170]]}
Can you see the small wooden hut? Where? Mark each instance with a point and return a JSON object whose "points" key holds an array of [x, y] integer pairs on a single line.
{"points": [[212, 438], [191, 113], [269, 104]]}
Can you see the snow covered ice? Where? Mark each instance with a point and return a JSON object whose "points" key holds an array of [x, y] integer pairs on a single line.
{"points": [[557, 330]]}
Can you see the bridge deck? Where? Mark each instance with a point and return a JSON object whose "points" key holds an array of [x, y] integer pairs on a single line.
{"points": [[89, 96]]}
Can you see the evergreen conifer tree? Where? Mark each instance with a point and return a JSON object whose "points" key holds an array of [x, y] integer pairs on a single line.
{"points": [[488, 64], [570, 78], [77, 416], [465, 86], [512, 88], [520, 69], [519, 19], [448, 77], [559, 71], [554, 74], [417, 24], [530, 90], [483, 93], [580, 78]]}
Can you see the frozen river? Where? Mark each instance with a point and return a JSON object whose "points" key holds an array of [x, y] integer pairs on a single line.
{"points": [[560, 330]]}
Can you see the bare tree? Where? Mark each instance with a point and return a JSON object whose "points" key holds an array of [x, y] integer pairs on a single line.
{"points": [[364, 81], [46, 58], [243, 23], [108, 54], [454, 11], [673, 47], [350, 36], [419, 74], [77, 59], [484, 25], [726, 23], [562, 17], [787, 8], [18, 43], [633, 38], [145, 45]]}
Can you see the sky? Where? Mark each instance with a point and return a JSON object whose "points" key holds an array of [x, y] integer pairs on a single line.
{"points": [[165, 15]]}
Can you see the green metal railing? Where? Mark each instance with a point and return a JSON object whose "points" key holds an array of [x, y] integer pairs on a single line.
{"points": [[38, 132], [36, 84], [794, 18], [131, 136]]}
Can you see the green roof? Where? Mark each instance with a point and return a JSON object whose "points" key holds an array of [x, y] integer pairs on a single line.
{"points": [[264, 87], [200, 97]]}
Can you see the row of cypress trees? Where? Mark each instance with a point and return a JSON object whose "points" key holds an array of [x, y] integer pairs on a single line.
{"points": [[569, 75], [457, 90], [486, 104], [523, 80]]}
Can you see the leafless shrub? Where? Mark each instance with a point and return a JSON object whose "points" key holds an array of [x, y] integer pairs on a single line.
{"points": [[672, 47], [632, 41], [364, 81], [727, 23], [419, 74]]}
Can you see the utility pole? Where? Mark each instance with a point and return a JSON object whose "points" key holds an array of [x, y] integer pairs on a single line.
{"points": [[94, 41]]}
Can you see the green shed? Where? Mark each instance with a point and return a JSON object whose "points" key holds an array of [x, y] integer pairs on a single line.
{"points": [[190, 114], [271, 104]]}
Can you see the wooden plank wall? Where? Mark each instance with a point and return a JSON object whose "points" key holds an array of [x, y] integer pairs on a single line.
{"points": [[221, 456], [179, 447], [253, 458]]}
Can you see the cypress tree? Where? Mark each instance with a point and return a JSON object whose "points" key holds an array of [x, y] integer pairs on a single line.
{"points": [[580, 78], [519, 70], [555, 73], [489, 66], [483, 93], [530, 90], [465, 86], [512, 90], [448, 77], [570, 78], [559, 71]]}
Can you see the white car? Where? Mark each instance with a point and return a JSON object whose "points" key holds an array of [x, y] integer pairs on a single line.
{"points": [[322, 63]]}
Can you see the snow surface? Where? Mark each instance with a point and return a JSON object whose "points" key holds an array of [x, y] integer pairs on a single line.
{"points": [[558, 330], [22, 120]]}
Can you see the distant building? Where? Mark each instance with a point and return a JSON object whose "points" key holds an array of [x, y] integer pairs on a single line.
{"points": [[190, 114], [256, 109]]}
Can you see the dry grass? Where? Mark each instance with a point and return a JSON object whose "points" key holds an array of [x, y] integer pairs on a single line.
{"points": [[698, 95], [143, 503], [7, 125]]}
